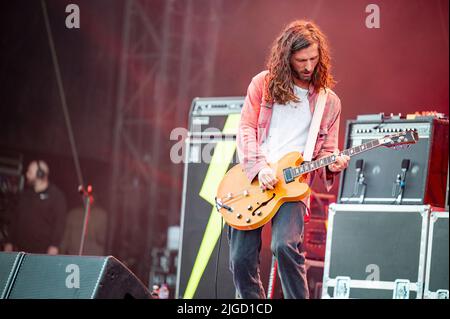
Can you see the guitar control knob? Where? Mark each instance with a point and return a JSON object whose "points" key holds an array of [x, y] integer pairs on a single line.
{"points": [[239, 216], [259, 213], [247, 220], [249, 207]]}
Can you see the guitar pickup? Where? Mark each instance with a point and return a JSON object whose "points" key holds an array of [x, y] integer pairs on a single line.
{"points": [[288, 176]]}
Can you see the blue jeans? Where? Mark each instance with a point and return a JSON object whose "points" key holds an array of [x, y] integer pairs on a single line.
{"points": [[286, 246]]}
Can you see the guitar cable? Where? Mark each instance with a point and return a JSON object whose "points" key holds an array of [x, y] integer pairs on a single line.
{"points": [[218, 205], [356, 193], [400, 190], [218, 257]]}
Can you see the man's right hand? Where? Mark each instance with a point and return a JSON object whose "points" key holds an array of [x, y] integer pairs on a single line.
{"points": [[267, 178], [8, 247]]}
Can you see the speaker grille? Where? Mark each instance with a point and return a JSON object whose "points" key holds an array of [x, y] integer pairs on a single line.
{"points": [[8, 268], [54, 277]]}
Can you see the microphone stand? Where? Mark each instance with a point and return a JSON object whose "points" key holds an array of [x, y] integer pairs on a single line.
{"points": [[88, 199]]}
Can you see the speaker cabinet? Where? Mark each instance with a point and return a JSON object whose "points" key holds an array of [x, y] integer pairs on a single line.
{"points": [[201, 228], [37, 276], [210, 152]]}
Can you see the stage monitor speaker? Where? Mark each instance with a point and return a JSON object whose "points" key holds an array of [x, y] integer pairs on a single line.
{"points": [[425, 176], [9, 264], [72, 277], [210, 152]]}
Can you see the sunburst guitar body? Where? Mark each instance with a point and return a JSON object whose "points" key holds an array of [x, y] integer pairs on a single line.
{"points": [[245, 206]]}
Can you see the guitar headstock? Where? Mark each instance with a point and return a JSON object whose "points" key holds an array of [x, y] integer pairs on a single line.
{"points": [[400, 139]]}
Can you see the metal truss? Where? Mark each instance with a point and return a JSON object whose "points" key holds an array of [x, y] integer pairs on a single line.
{"points": [[168, 57]]}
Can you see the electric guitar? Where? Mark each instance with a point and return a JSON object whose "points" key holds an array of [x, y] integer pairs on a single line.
{"points": [[245, 206]]}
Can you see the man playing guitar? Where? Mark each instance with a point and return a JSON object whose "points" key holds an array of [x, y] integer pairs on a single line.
{"points": [[276, 120]]}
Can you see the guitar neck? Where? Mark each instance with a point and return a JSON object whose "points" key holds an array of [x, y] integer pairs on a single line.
{"points": [[324, 161]]}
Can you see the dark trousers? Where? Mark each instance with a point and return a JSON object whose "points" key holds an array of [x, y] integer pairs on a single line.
{"points": [[287, 238]]}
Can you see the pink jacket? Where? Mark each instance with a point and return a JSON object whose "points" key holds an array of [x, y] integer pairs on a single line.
{"points": [[255, 122]]}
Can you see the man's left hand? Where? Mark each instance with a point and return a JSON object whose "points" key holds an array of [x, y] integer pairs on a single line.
{"points": [[340, 164]]}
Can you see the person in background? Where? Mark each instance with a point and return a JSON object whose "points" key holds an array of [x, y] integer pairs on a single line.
{"points": [[95, 241], [37, 223]]}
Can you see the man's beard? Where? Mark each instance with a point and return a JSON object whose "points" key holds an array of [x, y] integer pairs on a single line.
{"points": [[301, 77], [306, 77]]}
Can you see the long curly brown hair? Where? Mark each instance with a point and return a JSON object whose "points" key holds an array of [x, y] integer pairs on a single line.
{"points": [[296, 36]]}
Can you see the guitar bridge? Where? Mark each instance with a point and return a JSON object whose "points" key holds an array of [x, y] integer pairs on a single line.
{"points": [[288, 176]]}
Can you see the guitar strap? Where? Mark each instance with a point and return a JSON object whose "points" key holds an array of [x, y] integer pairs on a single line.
{"points": [[315, 125]]}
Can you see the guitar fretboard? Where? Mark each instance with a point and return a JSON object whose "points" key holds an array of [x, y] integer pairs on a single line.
{"points": [[322, 162]]}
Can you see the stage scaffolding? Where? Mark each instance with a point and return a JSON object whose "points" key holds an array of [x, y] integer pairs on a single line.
{"points": [[168, 57]]}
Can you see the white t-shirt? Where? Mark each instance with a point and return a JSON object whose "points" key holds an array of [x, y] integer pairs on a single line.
{"points": [[289, 127]]}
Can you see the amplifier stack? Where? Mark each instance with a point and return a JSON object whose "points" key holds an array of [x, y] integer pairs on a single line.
{"points": [[210, 152], [388, 235]]}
